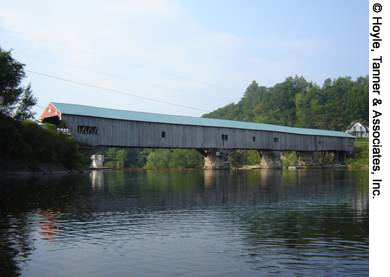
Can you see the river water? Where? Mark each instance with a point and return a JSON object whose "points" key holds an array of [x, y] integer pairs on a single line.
{"points": [[195, 223]]}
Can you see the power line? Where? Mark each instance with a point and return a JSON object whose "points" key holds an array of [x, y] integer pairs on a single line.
{"points": [[93, 54], [39, 106], [112, 90], [90, 70], [97, 87]]}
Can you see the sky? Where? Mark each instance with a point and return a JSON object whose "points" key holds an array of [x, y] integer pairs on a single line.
{"points": [[187, 57]]}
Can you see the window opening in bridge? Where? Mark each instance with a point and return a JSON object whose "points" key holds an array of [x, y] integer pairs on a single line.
{"points": [[64, 131], [276, 139], [87, 130], [163, 134], [224, 137], [253, 138]]}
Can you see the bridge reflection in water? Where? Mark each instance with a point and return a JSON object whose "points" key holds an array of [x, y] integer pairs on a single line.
{"points": [[267, 184], [165, 223]]}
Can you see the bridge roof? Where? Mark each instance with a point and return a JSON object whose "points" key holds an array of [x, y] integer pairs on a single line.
{"points": [[82, 110]]}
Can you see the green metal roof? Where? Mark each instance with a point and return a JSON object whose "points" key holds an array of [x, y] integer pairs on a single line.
{"points": [[73, 109]]}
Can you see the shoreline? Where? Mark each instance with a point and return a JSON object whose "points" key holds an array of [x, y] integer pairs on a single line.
{"points": [[28, 173], [50, 171]]}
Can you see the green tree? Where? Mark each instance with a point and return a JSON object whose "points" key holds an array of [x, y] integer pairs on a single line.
{"points": [[238, 158], [176, 158], [26, 144], [120, 158], [15, 99], [158, 159], [296, 102], [27, 101]]}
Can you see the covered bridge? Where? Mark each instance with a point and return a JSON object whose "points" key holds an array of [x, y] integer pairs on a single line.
{"points": [[214, 138]]}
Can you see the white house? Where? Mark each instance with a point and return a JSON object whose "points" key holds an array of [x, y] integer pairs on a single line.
{"points": [[358, 130]]}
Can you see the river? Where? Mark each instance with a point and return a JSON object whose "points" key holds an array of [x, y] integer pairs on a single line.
{"points": [[193, 223]]}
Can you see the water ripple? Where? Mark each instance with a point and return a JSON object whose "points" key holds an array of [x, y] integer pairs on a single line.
{"points": [[153, 224]]}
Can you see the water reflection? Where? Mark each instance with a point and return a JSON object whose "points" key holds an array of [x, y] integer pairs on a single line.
{"points": [[47, 224], [97, 179], [212, 222]]}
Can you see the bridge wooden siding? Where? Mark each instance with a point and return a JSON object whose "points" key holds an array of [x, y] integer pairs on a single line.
{"points": [[127, 133]]}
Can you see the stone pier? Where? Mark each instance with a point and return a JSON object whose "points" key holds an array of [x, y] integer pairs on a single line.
{"points": [[339, 157], [97, 161], [309, 158], [270, 159], [216, 158], [321, 159]]}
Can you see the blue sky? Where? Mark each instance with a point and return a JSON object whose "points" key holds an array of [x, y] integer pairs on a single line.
{"points": [[201, 54]]}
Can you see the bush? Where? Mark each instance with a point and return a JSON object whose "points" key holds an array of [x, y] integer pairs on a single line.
{"points": [[28, 143], [360, 157], [289, 158], [178, 158]]}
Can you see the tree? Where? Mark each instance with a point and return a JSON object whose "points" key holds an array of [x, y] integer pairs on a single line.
{"points": [[27, 101], [121, 158], [297, 102], [15, 99], [238, 158]]}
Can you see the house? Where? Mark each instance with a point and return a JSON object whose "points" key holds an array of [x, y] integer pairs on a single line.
{"points": [[358, 130]]}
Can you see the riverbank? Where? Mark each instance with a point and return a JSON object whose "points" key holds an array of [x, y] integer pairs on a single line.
{"points": [[359, 160], [360, 156], [15, 168], [32, 148]]}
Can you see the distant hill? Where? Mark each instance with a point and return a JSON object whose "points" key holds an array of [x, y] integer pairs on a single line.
{"points": [[297, 102]]}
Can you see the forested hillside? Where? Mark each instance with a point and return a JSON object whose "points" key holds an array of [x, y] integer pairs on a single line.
{"points": [[294, 102], [297, 102]]}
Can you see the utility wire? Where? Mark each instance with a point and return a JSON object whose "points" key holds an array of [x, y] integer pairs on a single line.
{"points": [[102, 73], [88, 69], [112, 90], [92, 54]]}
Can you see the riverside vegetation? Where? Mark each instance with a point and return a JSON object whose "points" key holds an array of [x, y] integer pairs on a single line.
{"points": [[293, 102], [25, 144], [360, 158]]}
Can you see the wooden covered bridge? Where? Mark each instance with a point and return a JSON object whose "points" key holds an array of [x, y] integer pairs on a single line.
{"points": [[214, 138]]}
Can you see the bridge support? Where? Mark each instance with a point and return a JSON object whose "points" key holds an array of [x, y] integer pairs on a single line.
{"points": [[216, 158], [97, 161], [321, 159], [339, 157], [334, 157], [309, 158], [270, 159]]}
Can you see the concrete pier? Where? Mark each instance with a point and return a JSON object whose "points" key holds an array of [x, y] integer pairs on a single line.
{"points": [[216, 159], [309, 158], [97, 161], [270, 159], [340, 157]]}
